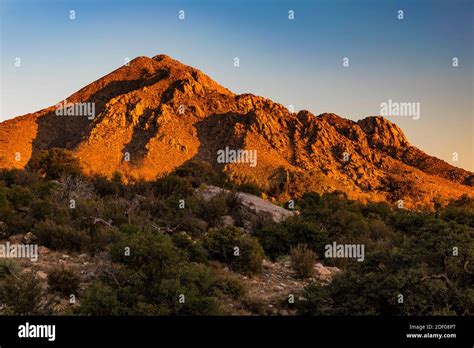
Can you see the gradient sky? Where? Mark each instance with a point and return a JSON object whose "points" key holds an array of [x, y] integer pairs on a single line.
{"points": [[296, 62]]}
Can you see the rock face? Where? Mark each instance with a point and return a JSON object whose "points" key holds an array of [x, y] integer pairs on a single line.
{"points": [[160, 113]]}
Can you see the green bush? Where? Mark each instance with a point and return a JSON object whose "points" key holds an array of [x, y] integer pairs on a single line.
{"points": [[54, 163], [409, 268], [278, 239], [105, 187], [19, 177], [3, 197], [192, 292], [461, 211], [8, 267], [43, 209], [193, 248], [59, 237], [250, 188], [216, 207], [63, 281], [22, 292], [303, 260], [20, 197], [199, 172], [230, 286], [173, 185], [191, 289], [194, 226], [232, 246], [15, 222], [100, 299], [148, 251], [275, 240]]}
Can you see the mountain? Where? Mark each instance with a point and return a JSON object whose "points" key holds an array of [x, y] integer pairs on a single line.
{"points": [[160, 113]]}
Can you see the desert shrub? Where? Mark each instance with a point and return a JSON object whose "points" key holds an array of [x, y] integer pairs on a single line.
{"points": [[250, 188], [100, 238], [19, 177], [309, 200], [299, 182], [460, 210], [199, 172], [219, 205], [56, 236], [379, 230], [173, 185], [69, 187], [114, 210], [193, 248], [278, 239], [195, 286], [55, 163], [346, 225], [150, 251], [399, 187], [275, 240], [105, 187], [313, 234], [408, 221], [230, 286], [16, 222], [8, 267], [3, 197], [117, 178], [189, 289], [377, 209], [232, 246], [22, 292], [63, 281], [43, 209], [20, 197], [303, 260], [413, 266], [86, 210], [100, 299], [318, 208], [194, 226], [18, 215]]}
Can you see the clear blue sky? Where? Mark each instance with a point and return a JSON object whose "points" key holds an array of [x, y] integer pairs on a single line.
{"points": [[296, 62]]}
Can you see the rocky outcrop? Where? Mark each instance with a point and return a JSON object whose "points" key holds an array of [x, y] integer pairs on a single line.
{"points": [[252, 204]]}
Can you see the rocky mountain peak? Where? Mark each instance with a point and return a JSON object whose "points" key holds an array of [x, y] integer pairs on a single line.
{"points": [[154, 114], [382, 132]]}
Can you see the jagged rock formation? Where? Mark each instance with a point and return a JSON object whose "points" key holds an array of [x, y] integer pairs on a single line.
{"points": [[161, 113]]}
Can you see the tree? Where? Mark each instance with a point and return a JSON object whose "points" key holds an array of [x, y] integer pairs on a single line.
{"points": [[53, 163]]}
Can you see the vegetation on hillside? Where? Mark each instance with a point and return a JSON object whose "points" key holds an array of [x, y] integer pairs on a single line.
{"points": [[167, 258]]}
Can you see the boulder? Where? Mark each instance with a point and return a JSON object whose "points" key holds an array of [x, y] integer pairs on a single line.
{"points": [[252, 204], [226, 220], [29, 238], [263, 208]]}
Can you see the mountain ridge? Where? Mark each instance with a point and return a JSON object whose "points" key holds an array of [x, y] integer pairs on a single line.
{"points": [[162, 113]]}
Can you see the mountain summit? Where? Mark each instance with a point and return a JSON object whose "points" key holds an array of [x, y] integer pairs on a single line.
{"points": [[154, 114]]}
